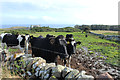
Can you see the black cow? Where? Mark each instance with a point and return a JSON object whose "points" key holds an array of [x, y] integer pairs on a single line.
{"points": [[15, 41], [48, 36], [49, 48], [71, 46]]}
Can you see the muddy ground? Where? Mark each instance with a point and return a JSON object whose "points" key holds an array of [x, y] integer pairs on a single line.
{"points": [[92, 64]]}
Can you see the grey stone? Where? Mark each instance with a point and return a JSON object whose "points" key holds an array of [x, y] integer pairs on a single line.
{"points": [[38, 62], [72, 74], [53, 78], [56, 71], [47, 69], [65, 71], [83, 76]]}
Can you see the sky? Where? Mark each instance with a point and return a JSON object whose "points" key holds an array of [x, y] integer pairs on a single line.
{"points": [[59, 12]]}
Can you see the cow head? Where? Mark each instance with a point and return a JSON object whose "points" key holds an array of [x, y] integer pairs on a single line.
{"points": [[71, 44], [61, 40], [60, 44], [27, 37], [31, 38]]}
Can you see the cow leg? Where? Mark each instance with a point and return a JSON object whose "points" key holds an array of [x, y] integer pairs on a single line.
{"points": [[3, 52], [26, 50], [33, 55], [65, 62], [3, 46], [56, 61], [69, 60], [26, 47], [21, 49], [7, 48]]}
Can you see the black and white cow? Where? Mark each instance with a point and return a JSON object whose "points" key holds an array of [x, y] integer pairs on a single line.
{"points": [[15, 41], [49, 47], [71, 46]]}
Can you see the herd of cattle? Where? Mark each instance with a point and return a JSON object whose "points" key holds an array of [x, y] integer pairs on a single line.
{"points": [[48, 47]]}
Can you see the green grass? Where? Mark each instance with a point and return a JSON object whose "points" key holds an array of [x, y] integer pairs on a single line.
{"points": [[92, 42], [12, 50], [1, 31], [111, 34], [105, 32]]}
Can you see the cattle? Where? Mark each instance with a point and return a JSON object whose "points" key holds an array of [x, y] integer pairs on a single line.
{"points": [[49, 47], [86, 35], [15, 41], [48, 36], [71, 46]]}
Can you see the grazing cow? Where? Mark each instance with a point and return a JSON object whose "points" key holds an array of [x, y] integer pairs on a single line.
{"points": [[48, 36], [15, 41], [86, 35], [49, 48], [71, 46]]}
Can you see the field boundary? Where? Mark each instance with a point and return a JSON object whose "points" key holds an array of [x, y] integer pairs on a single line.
{"points": [[31, 68], [107, 37]]}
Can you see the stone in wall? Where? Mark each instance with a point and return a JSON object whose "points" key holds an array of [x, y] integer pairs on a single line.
{"points": [[56, 71], [105, 76], [36, 67], [65, 71], [72, 74]]}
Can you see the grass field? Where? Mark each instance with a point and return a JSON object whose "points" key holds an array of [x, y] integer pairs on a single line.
{"points": [[9, 74], [93, 43], [105, 32], [11, 28]]}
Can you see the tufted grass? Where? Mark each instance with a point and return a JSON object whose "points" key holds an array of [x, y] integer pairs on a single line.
{"points": [[107, 48], [93, 43], [9, 74], [105, 32]]}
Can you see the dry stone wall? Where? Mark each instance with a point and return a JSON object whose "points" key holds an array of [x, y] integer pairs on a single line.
{"points": [[28, 67], [112, 37], [108, 37]]}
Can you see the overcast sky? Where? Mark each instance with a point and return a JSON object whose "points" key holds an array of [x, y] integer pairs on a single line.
{"points": [[59, 12]]}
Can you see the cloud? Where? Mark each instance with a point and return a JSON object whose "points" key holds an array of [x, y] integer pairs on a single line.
{"points": [[12, 0], [48, 18], [100, 12], [21, 16], [66, 11], [33, 17]]}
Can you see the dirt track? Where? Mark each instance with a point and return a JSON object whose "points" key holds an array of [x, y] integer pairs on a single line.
{"points": [[92, 64]]}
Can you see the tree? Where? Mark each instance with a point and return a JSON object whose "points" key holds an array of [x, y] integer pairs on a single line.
{"points": [[86, 29]]}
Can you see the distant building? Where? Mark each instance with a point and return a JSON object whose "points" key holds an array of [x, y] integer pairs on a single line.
{"points": [[32, 26]]}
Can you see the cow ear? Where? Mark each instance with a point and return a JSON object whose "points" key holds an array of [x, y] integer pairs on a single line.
{"points": [[52, 41], [68, 42], [78, 42], [31, 37]]}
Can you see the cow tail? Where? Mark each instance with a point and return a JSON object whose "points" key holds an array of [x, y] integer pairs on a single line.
{"points": [[0, 38]]}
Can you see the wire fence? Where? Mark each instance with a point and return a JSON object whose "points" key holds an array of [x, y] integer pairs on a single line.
{"points": [[49, 51], [55, 52]]}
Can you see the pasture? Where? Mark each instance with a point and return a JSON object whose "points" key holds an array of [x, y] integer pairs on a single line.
{"points": [[105, 32], [93, 43], [107, 48]]}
